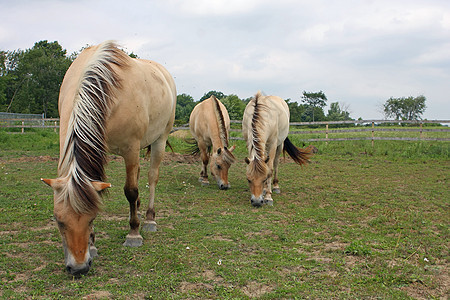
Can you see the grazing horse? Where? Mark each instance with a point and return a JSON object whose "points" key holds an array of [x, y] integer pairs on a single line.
{"points": [[265, 127], [210, 124], [108, 102]]}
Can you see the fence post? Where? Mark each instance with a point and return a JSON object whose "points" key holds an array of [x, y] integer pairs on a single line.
{"points": [[373, 127], [23, 124], [326, 134], [421, 135], [55, 126]]}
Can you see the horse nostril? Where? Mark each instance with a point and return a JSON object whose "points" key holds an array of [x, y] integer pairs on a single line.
{"points": [[69, 269]]}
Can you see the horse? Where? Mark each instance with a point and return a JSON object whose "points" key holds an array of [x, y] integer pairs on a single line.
{"points": [[108, 102], [265, 128], [209, 124]]}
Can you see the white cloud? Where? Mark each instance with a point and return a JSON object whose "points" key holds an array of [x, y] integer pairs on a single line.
{"points": [[357, 52]]}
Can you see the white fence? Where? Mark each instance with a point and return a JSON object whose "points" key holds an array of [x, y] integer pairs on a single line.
{"points": [[369, 126]]}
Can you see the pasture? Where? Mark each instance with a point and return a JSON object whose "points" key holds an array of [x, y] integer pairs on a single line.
{"points": [[358, 222]]}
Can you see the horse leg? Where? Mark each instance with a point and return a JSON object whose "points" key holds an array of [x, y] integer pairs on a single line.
{"points": [[204, 155], [133, 239], [157, 154], [276, 187], [268, 185]]}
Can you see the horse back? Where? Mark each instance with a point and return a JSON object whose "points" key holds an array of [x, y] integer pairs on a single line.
{"points": [[144, 109], [204, 124]]}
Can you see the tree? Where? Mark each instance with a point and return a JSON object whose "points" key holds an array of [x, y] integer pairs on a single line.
{"points": [[36, 78], [409, 108], [296, 110], [338, 112], [218, 95], [8, 64], [185, 105], [314, 101], [235, 106]]}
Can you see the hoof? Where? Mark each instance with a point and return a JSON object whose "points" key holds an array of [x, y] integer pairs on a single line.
{"points": [[133, 241], [268, 202], [149, 226], [93, 251], [276, 190], [205, 183]]}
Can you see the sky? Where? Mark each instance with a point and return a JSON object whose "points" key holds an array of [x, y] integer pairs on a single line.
{"points": [[358, 52]]}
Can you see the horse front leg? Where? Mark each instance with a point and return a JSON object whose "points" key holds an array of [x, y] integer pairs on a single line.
{"points": [[204, 155], [276, 186], [268, 184], [133, 239], [157, 154]]}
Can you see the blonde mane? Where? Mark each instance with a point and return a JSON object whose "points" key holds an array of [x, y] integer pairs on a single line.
{"points": [[223, 133], [84, 152], [257, 127]]}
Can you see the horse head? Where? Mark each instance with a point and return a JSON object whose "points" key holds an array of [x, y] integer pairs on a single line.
{"points": [[258, 173], [221, 161], [75, 225]]}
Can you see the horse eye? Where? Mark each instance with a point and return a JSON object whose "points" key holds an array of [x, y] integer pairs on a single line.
{"points": [[219, 166]]}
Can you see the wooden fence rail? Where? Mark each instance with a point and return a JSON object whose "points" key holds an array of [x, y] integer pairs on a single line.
{"points": [[54, 123]]}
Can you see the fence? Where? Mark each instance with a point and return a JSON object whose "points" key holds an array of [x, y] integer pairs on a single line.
{"points": [[360, 123], [369, 126]]}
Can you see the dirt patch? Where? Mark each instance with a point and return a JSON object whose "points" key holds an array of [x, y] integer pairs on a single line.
{"points": [[42, 158], [181, 134], [99, 295], [255, 289], [180, 158]]}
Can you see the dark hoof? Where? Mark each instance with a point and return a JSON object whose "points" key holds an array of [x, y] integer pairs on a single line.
{"points": [[149, 226], [133, 241]]}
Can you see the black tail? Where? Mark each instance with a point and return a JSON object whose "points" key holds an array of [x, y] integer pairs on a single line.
{"points": [[300, 156]]}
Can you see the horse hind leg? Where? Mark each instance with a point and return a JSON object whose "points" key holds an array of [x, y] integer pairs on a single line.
{"points": [[157, 154], [133, 239]]}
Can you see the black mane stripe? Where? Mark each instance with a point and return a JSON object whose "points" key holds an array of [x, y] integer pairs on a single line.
{"points": [[221, 122], [257, 125], [84, 155]]}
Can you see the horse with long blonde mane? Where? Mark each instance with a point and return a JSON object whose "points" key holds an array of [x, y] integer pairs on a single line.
{"points": [[265, 127], [209, 124], [108, 102]]}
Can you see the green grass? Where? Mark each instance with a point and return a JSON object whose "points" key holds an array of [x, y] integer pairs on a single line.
{"points": [[358, 222]]}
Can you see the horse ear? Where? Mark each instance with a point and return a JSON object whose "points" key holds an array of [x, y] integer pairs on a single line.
{"points": [[100, 186], [232, 148], [53, 183], [247, 161], [219, 150], [49, 182]]}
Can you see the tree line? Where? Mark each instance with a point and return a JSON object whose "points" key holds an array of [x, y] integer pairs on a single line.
{"points": [[30, 81]]}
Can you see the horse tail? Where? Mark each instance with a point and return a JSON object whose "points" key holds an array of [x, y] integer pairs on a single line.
{"points": [[149, 149], [300, 156], [192, 147]]}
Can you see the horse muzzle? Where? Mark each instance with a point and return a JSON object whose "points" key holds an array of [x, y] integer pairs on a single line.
{"points": [[257, 201], [75, 268], [79, 269], [222, 185]]}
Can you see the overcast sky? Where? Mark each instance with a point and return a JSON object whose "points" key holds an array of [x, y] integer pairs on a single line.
{"points": [[359, 53]]}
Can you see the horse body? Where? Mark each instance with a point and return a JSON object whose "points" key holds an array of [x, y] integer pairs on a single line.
{"points": [[265, 127], [209, 124], [108, 102]]}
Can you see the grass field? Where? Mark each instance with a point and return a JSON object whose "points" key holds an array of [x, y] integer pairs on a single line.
{"points": [[357, 223]]}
